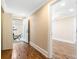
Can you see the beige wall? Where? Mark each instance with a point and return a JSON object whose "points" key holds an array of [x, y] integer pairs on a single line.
{"points": [[6, 31], [39, 27]]}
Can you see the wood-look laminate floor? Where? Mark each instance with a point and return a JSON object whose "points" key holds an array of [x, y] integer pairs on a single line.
{"points": [[63, 50], [22, 50]]}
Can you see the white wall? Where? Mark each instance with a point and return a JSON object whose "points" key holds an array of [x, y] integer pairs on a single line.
{"points": [[25, 30], [64, 29], [64, 21], [18, 24]]}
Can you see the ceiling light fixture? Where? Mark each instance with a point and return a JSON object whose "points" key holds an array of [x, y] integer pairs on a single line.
{"points": [[71, 10], [63, 4]]}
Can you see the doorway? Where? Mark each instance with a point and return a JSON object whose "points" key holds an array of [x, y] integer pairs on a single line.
{"points": [[63, 29], [20, 29]]}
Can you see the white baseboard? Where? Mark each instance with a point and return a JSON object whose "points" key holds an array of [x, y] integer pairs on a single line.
{"points": [[44, 52], [58, 39]]}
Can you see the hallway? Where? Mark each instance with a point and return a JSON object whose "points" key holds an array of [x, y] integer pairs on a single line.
{"points": [[22, 50]]}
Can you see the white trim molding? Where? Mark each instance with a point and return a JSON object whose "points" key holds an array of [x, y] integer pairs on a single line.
{"points": [[62, 40], [42, 51], [50, 50]]}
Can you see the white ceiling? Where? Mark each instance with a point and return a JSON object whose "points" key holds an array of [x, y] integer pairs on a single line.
{"points": [[22, 7], [64, 8]]}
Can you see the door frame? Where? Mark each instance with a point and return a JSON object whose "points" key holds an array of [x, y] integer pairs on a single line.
{"points": [[28, 30], [50, 49]]}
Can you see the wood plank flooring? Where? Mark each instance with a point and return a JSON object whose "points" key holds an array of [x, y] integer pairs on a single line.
{"points": [[22, 50], [64, 50], [6, 54]]}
